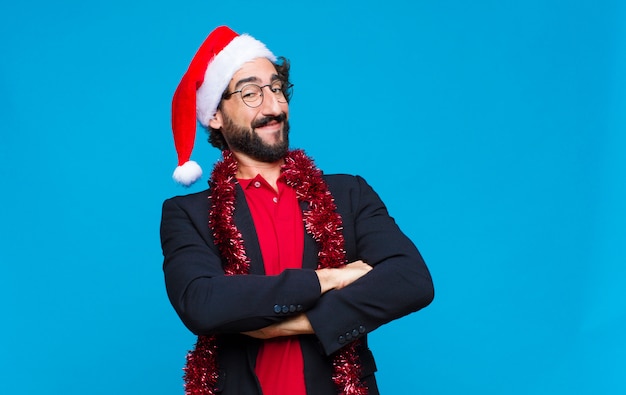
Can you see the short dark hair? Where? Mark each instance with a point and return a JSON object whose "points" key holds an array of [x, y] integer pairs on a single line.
{"points": [[282, 68]]}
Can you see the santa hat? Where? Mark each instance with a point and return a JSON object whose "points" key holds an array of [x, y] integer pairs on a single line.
{"points": [[201, 88]]}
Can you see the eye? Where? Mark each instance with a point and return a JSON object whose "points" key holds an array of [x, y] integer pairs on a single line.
{"points": [[277, 86], [249, 92]]}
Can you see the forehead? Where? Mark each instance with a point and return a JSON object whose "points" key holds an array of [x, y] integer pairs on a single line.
{"points": [[257, 70]]}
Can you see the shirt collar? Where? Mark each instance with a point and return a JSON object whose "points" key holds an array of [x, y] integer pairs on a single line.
{"points": [[258, 181]]}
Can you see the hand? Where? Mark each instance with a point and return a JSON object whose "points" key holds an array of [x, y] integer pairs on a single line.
{"points": [[297, 325], [337, 278]]}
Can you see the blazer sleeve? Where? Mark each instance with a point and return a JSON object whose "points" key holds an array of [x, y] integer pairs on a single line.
{"points": [[208, 301], [398, 284]]}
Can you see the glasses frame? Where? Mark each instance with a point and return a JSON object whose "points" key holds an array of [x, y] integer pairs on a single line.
{"points": [[287, 93]]}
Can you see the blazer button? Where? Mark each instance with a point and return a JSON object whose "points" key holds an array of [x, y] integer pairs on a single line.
{"points": [[292, 308], [299, 307], [341, 340], [348, 336], [362, 329], [355, 333], [277, 309]]}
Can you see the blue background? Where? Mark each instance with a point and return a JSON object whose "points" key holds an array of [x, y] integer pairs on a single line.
{"points": [[493, 130]]}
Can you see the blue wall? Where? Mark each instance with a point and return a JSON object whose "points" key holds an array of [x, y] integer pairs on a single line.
{"points": [[493, 130]]}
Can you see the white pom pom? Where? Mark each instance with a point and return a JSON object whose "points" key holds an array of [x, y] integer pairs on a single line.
{"points": [[188, 173]]}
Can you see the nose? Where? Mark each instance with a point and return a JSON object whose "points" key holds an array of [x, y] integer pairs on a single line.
{"points": [[271, 105]]}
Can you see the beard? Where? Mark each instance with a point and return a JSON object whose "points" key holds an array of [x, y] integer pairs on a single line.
{"points": [[248, 142]]}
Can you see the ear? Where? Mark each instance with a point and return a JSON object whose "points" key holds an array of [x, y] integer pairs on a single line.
{"points": [[216, 122]]}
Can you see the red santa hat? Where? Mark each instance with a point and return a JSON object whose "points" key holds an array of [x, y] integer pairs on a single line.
{"points": [[201, 88]]}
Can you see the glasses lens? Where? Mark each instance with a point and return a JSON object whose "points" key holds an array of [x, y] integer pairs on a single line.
{"points": [[287, 93], [252, 95], [277, 88]]}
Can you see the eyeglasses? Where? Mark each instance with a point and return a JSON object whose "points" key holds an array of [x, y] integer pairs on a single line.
{"points": [[252, 94]]}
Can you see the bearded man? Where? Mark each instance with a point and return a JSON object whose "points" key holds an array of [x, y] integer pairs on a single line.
{"points": [[280, 270]]}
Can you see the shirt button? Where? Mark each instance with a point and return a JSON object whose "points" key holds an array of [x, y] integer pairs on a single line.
{"points": [[257, 184], [275, 199]]}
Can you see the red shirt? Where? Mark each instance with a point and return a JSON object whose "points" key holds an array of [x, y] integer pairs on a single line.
{"points": [[278, 221]]}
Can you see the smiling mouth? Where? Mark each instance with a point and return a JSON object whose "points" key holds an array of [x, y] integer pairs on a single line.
{"points": [[270, 129], [269, 121], [270, 124]]}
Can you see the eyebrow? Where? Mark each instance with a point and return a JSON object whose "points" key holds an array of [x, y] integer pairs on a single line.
{"points": [[253, 79], [244, 81]]}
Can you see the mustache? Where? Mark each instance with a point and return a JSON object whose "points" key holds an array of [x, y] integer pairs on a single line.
{"points": [[259, 123]]}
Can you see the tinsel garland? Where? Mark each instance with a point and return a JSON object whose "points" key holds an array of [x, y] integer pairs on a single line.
{"points": [[322, 222]]}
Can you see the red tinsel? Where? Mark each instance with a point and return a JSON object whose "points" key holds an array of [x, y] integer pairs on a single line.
{"points": [[322, 222]]}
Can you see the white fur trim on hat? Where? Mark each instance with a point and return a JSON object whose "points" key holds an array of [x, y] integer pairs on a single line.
{"points": [[187, 173], [221, 69]]}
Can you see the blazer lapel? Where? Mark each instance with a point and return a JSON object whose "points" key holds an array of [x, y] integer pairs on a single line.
{"points": [[245, 224], [311, 249]]}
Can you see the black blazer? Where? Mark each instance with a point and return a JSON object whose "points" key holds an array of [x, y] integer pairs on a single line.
{"points": [[208, 302]]}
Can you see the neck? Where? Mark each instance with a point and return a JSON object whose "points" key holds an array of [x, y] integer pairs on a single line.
{"points": [[248, 167]]}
